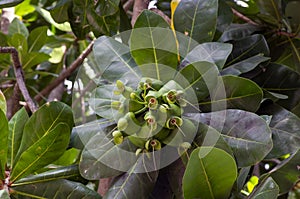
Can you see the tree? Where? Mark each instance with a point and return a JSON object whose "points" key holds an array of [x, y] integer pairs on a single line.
{"points": [[184, 99]]}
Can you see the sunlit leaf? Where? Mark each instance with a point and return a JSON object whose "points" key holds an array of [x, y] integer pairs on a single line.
{"points": [[2, 102], [4, 144]]}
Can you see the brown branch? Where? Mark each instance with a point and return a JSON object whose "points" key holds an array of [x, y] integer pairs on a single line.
{"points": [[19, 76], [243, 17], [127, 5], [68, 72], [138, 7], [13, 102]]}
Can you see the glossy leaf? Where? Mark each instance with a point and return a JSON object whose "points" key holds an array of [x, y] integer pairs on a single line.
{"points": [[238, 31], [2, 102], [201, 76], [54, 174], [4, 144], [55, 189], [134, 184], [198, 18], [16, 126], [9, 3], [114, 61], [244, 66], [286, 174], [234, 92], [210, 173], [152, 42], [267, 189], [43, 152], [37, 38], [42, 122], [101, 158], [248, 47], [17, 26], [213, 52], [246, 133], [285, 128]]}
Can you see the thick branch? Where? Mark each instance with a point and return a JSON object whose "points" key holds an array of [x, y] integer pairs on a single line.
{"points": [[138, 7], [68, 72], [19, 76]]}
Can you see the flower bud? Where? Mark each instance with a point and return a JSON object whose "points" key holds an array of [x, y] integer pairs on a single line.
{"points": [[153, 144], [118, 137], [122, 124], [174, 122], [129, 124]]}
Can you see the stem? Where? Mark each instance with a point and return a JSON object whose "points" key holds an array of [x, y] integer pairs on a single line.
{"points": [[243, 17], [68, 72], [19, 76]]}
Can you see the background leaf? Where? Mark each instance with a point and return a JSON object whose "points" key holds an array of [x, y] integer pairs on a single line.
{"points": [[198, 18], [2, 102], [210, 173], [16, 126], [246, 133], [17, 26], [9, 3], [267, 189], [4, 144], [37, 38]]}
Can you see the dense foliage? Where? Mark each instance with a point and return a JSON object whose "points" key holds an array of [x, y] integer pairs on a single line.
{"points": [[196, 99]]}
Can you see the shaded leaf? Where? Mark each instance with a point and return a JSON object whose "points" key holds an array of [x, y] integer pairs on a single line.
{"points": [[55, 174], [20, 43], [60, 11], [234, 92], [37, 38], [134, 184], [213, 52], [34, 58], [4, 144], [246, 133], [267, 189], [153, 43], [55, 189], [106, 8], [238, 31], [2, 102], [244, 66], [210, 173], [17, 26], [42, 122], [9, 3], [43, 152], [16, 126], [271, 8], [225, 16], [198, 18]]}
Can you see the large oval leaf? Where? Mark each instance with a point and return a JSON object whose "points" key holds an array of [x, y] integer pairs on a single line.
{"points": [[4, 144], [210, 173], [46, 150], [134, 184], [213, 52], [246, 133], [43, 121], [234, 92], [55, 189], [16, 126], [198, 18]]}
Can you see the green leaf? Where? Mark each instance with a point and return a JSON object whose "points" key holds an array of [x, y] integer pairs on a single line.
{"points": [[210, 173], [2, 102], [285, 128], [201, 76], [234, 92], [54, 174], [244, 66], [24, 8], [55, 189], [31, 59], [248, 47], [42, 122], [71, 156], [4, 144], [107, 8], [225, 16], [198, 18], [271, 8], [37, 38], [60, 12], [17, 26], [286, 174], [101, 158], [43, 152], [9, 3], [246, 133], [134, 184], [153, 44], [4, 194], [213, 52], [20, 43], [267, 189], [114, 61], [238, 31], [16, 126]]}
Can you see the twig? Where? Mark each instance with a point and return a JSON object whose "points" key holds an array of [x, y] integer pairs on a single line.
{"points": [[138, 7], [243, 17], [68, 72], [19, 76], [127, 5], [13, 102]]}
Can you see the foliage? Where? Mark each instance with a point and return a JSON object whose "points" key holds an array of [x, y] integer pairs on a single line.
{"points": [[207, 107]]}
